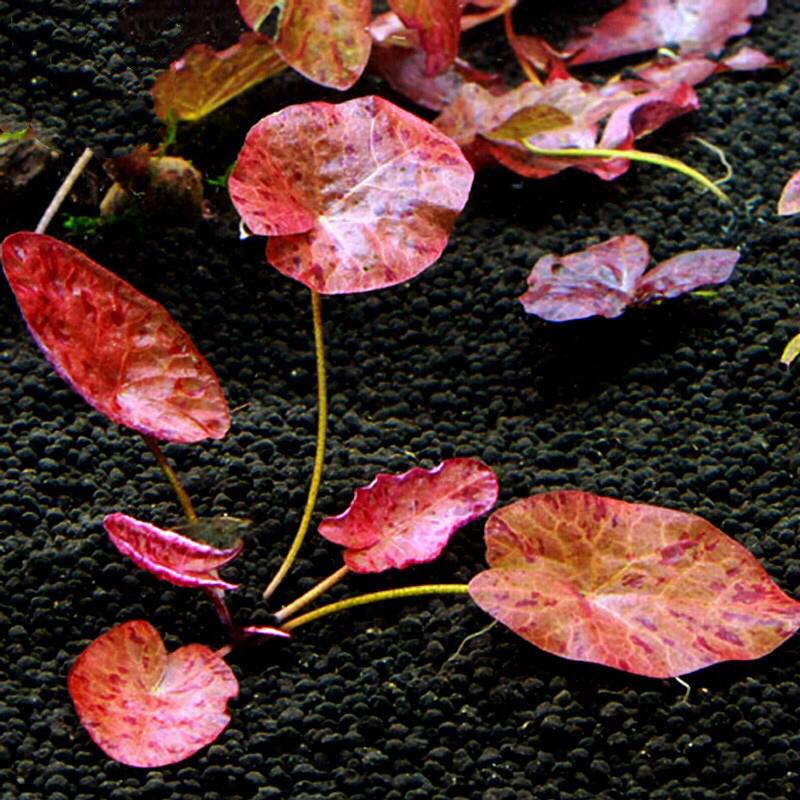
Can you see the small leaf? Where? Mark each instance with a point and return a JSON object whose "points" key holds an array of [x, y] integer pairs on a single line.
{"points": [[325, 40], [122, 352], [355, 196], [529, 121], [145, 707], [791, 351], [169, 555], [438, 25], [203, 79], [640, 588], [401, 520], [789, 202], [684, 273]]}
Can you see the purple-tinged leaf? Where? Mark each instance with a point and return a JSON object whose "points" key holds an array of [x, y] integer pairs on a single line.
{"points": [[169, 555], [145, 707], [401, 520], [685, 273], [265, 630], [355, 196], [122, 352], [789, 202], [639, 588]]}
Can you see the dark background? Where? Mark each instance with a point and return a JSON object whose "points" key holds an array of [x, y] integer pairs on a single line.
{"points": [[682, 404]]}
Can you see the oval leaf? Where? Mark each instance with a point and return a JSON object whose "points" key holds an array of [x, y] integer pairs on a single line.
{"points": [[640, 588], [356, 196], [401, 520], [122, 352], [169, 555], [144, 707], [204, 79], [685, 273]]}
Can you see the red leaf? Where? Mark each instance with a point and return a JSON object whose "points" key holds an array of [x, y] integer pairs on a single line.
{"points": [[476, 12], [629, 114], [325, 40], [685, 273], [121, 351], [604, 279], [169, 555], [356, 196], [696, 26], [438, 25], [145, 707], [640, 588], [789, 202], [204, 79], [401, 520]]}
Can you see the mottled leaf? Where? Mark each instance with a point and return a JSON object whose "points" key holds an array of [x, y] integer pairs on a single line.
{"points": [[789, 202], [604, 279], [640, 588], [170, 555], [325, 40], [355, 196], [695, 26], [204, 79], [528, 122], [684, 273], [438, 24], [401, 520], [145, 707], [121, 351], [791, 351]]}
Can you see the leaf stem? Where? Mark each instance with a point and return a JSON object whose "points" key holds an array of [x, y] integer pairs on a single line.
{"points": [[311, 595], [631, 155], [183, 497], [319, 457], [375, 597], [63, 190]]}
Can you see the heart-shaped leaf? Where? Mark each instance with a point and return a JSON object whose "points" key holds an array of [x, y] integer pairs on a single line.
{"points": [[604, 279], [696, 26], [122, 352], [640, 588], [325, 40], [168, 554], [789, 202], [355, 196], [204, 79], [401, 520], [145, 707]]}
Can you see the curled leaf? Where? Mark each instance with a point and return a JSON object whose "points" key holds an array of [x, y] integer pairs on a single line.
{"points": [[791, 351], [145, 707], [203, 79], [401, 520], [355, 196], [604, 279], [640, 588], [169, 555], [122, 352]]}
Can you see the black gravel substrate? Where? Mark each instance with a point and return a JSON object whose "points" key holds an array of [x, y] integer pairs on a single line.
{"points": [[683, 404]]}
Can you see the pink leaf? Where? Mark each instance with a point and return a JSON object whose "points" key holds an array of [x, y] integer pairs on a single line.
{"points": [[325, 40], [356, 196], [145, 707], [438, 25], [169, 555], [696, 26], [640, 588], [685, 273], [604, 279], [400, 520], [789, 202], [122, 352]]}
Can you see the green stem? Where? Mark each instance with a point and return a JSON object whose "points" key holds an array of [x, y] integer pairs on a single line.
{"points": [[311, 594], [375, 597], [183, 497], [319, 458], [631, 155]]}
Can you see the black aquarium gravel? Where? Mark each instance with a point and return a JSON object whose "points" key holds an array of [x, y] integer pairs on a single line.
{"points": [[683, 404]]}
